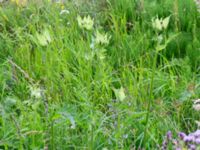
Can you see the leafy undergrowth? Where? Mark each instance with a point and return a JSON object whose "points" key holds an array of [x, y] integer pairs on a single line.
{"points": [[89, 74]]}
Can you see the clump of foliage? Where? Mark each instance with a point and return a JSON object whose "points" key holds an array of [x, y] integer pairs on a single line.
{"points": [[90, 74]]}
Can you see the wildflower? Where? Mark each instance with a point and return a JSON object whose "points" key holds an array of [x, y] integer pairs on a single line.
{"points": [[196, 105], [20, 2], [120, 94], [44, 38], [62, 7], [197, 4], [166, 141], [160, 24], [192, 147], [188, 138], [102, 38], [36, 92], [182, 135], [85, 22], [169, 135], [64, 11], [197, 141], [125, 136], [197, 133]]}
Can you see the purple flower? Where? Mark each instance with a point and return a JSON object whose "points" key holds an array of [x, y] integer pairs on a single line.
{"points": [[192, 147], [188, 138], [164, 145], [197, 141], [169, 135], [182, 135], [197, 133], [168, 138]]}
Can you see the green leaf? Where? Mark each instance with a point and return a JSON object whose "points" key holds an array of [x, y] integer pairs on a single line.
{"points": [[161, 47]]}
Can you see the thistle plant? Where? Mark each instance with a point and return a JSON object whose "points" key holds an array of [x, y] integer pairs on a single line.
{"points": [[86, 22], [197, 2], [183, 141], [157, 25], [101, 38], [160, 24], [89, 74]]}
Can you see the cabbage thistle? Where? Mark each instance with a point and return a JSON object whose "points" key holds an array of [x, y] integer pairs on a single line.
{"points": [[36, 92], [160, 24], [44, 38], [102, 39], [85, 22]]}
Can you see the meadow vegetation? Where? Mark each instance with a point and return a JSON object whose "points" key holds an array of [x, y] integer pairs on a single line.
{"points": [[97, 75]]}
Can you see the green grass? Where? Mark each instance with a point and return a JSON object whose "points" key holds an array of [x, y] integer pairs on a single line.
{"points": [[79, 106]]}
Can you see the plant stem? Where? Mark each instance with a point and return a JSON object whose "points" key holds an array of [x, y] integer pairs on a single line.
{"points": [[151, 96]]}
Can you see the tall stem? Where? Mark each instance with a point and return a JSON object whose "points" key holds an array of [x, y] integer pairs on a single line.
{"points": [[151, 96]]}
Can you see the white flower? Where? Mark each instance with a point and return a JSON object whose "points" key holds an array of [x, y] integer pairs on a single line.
{"points": [[36, 92], [65, 11], [85, 22], [196, 105], [160, 24], [102, 38]]}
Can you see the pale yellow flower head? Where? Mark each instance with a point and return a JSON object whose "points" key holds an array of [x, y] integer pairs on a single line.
{"points": [[85, 22], [120, 94], [36, 92], [20, 2], [160, 24], [43, 38], [101, 38]]}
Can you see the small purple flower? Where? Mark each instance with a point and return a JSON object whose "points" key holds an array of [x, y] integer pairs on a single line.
{"points": [[169, 135], [197, 141], [168, 138], [164, 145], [192, 147], [197, 133], [182, 135], [188, 138]]}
